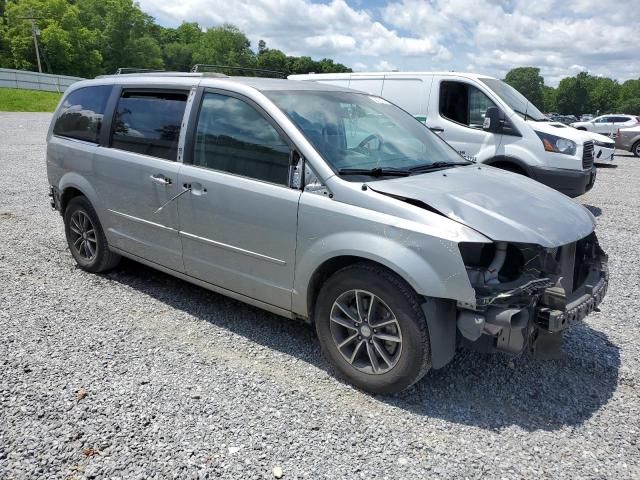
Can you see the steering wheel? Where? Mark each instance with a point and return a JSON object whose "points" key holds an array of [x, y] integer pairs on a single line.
{"points": [[373, 136]]}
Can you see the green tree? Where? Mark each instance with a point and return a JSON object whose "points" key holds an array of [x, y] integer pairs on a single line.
{"points": [[272, 59], [91, 37], [225, 45], [329, 66], [572, 95], [629, 89], [5, 46], [178, 45], [127, 37], [549, 96], [630, 106], [302, 65], [603, 92], [528, 82], [66, 45]]}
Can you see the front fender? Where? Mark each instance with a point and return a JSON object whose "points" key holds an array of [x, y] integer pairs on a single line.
{"points": [[432, 266]]}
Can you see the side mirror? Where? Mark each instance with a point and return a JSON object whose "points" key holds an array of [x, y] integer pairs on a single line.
{"points": [[493, 120]]}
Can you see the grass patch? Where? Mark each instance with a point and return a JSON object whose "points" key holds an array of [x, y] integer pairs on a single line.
{"points": [[16, 100]]}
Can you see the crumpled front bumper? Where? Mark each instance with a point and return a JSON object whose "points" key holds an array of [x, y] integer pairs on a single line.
{"points": [[561, 287], [581, 303]]}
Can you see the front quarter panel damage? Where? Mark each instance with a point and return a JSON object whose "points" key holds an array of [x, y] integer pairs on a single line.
{"points": [[424, 253]]}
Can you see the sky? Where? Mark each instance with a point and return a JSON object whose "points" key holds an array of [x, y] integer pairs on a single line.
{"points": [[561, 37]]}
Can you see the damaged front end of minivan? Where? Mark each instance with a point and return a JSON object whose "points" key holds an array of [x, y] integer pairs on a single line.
{"points": [[526, 295]]}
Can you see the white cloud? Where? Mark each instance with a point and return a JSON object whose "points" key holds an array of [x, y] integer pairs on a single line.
{"points": [[300, 27], [493, 36], [559, 37], [384, 66]]}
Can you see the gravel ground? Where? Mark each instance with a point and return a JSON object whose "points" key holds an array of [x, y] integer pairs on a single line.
{"points": [[135, 374]]}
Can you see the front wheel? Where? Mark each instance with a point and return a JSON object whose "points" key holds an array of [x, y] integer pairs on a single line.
{"points": [[85, 237], [372, 329], [636, 149]]}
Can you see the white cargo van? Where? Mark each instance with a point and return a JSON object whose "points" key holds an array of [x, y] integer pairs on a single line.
{"points": [[486, 121]]}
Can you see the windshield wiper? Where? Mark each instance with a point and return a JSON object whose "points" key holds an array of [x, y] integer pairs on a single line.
{"points": [[376, 172], [436, 166]]}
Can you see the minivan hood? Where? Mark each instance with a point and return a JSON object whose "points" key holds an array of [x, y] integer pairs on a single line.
{"points": [[501, 205]]}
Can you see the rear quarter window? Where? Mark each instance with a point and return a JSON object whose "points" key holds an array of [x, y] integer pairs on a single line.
{"points": [[81, 113]]}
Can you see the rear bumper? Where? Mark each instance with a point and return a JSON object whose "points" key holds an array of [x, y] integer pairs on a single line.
{"points": [[572, 183], [54, 198]]}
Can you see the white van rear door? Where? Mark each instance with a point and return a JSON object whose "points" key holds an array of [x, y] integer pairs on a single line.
{"points": [[456, 112]]}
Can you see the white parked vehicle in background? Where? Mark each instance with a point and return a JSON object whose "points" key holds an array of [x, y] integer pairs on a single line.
{"points": [[486, 121], [607, 124], [603, 147]]}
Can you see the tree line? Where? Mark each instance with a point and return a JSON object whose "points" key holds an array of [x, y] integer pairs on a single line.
{"points": [[583, 93], [92, 37]]}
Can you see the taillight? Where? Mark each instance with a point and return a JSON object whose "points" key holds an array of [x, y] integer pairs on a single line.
{"points": [[617, 132]]}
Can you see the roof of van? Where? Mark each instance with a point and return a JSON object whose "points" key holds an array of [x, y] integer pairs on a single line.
{"points": [[207, 79], [338, 76]]}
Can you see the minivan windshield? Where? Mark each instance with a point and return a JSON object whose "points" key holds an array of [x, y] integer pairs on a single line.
{"points": [[360, 134], [514, 99]]}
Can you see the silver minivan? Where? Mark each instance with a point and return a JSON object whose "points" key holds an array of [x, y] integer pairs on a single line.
{"points": [[322, 204]]}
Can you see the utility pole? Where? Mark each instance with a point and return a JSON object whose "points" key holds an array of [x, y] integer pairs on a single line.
{"points": [[34, 31]]}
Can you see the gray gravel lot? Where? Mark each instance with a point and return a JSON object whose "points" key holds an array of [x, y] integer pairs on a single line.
{"points": [[135, 374]]}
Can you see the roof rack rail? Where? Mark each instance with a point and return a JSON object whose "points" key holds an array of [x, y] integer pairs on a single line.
{"points": [[140, 72], [198, 68], [125, 70]]}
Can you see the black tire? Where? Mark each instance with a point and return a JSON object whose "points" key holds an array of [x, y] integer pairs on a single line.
{"points": [[636, 149], [413, 360], [91, 251]]}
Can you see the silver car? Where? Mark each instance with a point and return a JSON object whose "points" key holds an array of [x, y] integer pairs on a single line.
{"points": [[629, 139], [326, 205]]}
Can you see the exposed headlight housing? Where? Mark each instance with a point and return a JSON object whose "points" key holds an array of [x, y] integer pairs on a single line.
{"points": [[556, 144]]}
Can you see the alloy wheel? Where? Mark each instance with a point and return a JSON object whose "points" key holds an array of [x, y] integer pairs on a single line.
{"points": [[83, 235], [366, 332]]}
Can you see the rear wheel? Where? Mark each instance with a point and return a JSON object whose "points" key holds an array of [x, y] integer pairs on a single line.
{"points": [[636, 149], [372, 329], [85, 237]]}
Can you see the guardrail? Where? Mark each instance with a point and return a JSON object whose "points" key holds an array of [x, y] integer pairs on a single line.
{"points": [[10, 78]]}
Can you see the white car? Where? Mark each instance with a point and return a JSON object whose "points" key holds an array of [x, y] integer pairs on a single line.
{"points": [[607, 124], [603, 146]]}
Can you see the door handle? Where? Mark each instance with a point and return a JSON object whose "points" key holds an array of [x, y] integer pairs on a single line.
{"points": [[160, 179], [198, 189], [436, 129]]}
